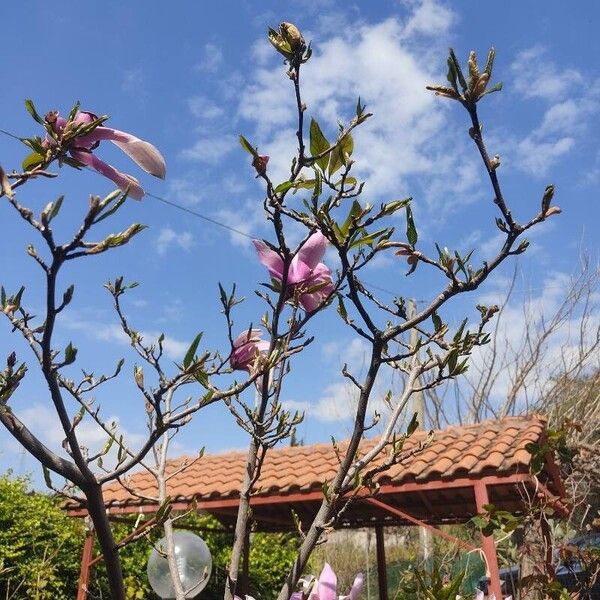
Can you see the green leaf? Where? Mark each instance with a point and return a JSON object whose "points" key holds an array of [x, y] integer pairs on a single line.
{"points": [[189, 355], [31, 161], [55, 208], [318, 144], [74, 111], [391, 207], [284, 187], [247, 146], [348, 181], [413, 425], [459, 73], [70, 354], [371, 238], [495, 88], [31, 110], [342, 309], [437, 321], [202, 378], [353, 215], [337, 158], [489, 65], [47, 477], [411, 230]]}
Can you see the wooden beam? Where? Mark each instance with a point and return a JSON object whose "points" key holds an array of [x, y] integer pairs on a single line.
{"points": [[126, 539], [314, 496], [381, 564], [487, 542], [408, 517], [86, 564]]}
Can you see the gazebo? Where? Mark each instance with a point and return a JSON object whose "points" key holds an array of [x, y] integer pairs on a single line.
{"points": [[458, 472]]}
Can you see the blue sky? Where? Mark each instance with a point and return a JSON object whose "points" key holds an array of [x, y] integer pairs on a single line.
{"points": [[192, 78]]}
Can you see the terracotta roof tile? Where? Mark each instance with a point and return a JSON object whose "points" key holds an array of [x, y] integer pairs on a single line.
{"points": [[497, 446]]}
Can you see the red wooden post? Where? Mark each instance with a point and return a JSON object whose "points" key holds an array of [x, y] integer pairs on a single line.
{"points": [[487, 542], [86, 559], [381, 564]]}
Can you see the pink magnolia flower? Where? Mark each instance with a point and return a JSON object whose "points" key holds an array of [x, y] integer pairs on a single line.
{"points": [[305, 272], [247, 347], [325, 587], [82, 149]]}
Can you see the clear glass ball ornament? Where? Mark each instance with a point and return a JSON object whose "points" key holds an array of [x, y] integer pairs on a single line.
{"points": [[194, 564]]}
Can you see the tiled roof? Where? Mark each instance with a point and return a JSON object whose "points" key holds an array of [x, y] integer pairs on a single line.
{"points": [[491, 447]]}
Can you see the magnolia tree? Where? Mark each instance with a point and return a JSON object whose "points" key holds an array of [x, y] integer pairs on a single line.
{"points": [[321, 198]]}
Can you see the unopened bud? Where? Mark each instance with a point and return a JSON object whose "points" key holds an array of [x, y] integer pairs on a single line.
{"points": [[495, 162], [51, 116], [293, 36], [481, 85], [138, 375], [553, 210], [547, 198], [260, 163]]}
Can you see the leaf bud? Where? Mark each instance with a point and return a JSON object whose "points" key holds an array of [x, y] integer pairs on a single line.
{"points": [[138, 374], [522, 247], [293, 36], [553, 210], [547, 198]]}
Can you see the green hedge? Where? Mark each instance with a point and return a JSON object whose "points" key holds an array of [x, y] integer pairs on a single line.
{"points": [[40, 551]]}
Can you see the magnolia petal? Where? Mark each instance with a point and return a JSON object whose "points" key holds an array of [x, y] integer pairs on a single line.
{"points": [[298, 271], [357, 587], [310, 302], [122, 180], [142, 153], [327, 584], [296, 596], [263, 346], [313, 249], [270, 259], [252, 335]]}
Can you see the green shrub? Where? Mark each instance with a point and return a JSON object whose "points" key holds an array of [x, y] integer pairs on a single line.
{"points": [[40, 547], [40, 551]]}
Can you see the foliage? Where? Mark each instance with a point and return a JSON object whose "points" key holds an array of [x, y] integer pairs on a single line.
{"points": [[271, 555], [40, 546], [40, 551]]}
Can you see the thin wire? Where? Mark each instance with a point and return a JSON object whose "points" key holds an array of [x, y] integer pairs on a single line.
{"points": [[198, 214], [9, 134], [208, 219]]}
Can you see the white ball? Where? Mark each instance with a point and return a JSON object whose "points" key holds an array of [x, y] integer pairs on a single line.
{"points": [[194, 564]]}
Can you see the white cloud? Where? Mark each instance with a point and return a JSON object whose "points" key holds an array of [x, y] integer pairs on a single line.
{"points": [[133, 81], [557, 352], [212, 58], [245, 221], [43, 421], [573, 102], [410, 133], [210, 149], [168, 237], [536, 76], [336, 403], [354, 354], [538, 156], [204, 108], [112, 333], [429, 18]]}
